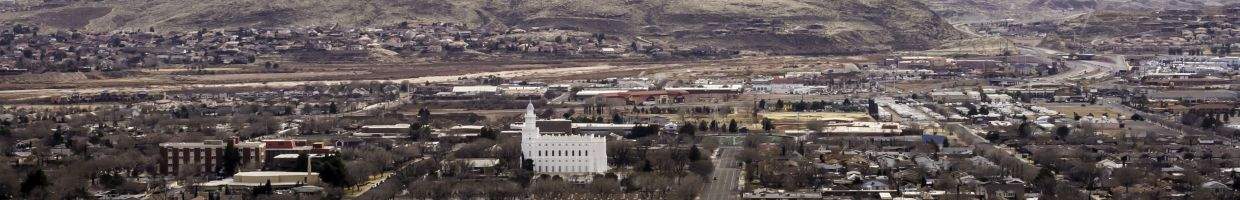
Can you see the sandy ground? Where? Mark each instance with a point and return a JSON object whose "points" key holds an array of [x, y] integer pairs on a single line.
{"points": [[42, 93], [1096, 110], [160, 80], [812, 116], [248, 77]]}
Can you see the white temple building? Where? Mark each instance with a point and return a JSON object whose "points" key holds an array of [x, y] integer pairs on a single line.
{"points": [[561, 152]]}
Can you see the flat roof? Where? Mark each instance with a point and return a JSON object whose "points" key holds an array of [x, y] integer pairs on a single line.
{"points": [[205, 145], [1194, 94], [273, 173], [292, 156], [388, 126]]}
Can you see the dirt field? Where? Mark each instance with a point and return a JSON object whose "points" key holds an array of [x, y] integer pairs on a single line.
{"points": [[927, 85], [271, 76], [169, 78], [1069, 109], [71, 18]]}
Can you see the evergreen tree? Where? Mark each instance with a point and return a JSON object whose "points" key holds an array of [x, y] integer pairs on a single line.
{"points": [[57, 138], [265, 189], [424, 115], [420, 132], [569, 114], [1024, 130], [687, 129], [695, 154], [489, 133], [1063, 132], [332, 171], [1235, 180], [230, 160], [616, 118], [732, 126], [1046, 182], [34, 180], [527, 164], [110, 180], [1210, 122], [642, 131], [872, 107], [767, 125]]}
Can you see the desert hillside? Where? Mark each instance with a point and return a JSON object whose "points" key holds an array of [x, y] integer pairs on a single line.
{"points": [[1034, 10], [838, 26]]}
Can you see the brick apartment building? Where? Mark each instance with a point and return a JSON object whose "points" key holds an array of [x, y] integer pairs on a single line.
{"points": [[205, 155]]}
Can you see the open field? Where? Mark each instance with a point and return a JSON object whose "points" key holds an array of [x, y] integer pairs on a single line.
{"points": [[1096, 110], [926, 85], [166, 79], [816, 116]]}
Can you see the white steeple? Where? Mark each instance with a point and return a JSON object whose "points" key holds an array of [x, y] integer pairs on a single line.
{"points": [[529, 129]]}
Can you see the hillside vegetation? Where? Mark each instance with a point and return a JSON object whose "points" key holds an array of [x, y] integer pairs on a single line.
{"points": [[1036, 10], [850, 25]]}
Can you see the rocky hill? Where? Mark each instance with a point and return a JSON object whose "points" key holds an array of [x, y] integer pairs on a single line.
{"points": [[779, 26], [987, 10]]}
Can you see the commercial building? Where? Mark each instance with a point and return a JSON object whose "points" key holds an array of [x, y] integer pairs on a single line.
{"points": [[384, 130], [278, 179], [295, 147], [863, 128]]}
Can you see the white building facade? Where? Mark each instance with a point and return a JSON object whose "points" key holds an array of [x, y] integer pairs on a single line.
{"points": [[561, 153]]}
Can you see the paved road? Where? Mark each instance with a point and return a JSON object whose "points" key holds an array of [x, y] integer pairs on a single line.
{"points": [[726, 176], [1077, 69], [379, 180]]}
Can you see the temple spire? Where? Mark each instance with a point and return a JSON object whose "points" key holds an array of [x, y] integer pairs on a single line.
{"points": [[529, 111], [529, 129]]}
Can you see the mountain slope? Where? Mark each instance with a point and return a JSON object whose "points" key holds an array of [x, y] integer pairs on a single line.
{"points": [[1034, 10], [851, 25]]}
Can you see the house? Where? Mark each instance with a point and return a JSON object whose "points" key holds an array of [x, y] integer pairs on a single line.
{"points": [[460, 131], [481, 164], [957, 152], [349, 143], [1006, 188]]}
